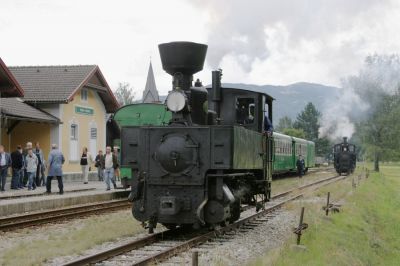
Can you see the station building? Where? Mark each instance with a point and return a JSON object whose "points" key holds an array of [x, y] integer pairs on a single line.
{"points": [[66, 105]]}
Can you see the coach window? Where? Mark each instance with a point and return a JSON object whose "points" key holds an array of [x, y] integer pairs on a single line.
{"points": [[245, 111]]}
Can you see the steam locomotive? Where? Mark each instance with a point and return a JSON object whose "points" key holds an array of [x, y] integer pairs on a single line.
{"points": [[213, 155], [344, 157]]}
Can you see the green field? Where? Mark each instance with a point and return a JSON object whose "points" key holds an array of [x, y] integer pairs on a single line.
{"points": [[365, 232]]}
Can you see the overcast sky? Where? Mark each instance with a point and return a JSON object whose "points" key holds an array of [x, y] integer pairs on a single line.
{"points": [[258, 42]]}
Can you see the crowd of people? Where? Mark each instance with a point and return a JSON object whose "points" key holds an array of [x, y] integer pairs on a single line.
{"points": [[28, 167]]}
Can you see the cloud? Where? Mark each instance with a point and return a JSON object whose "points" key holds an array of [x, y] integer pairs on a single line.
{"points": [[297, 36]]}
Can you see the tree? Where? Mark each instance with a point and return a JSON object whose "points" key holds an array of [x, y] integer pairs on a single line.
{"points": [[307, 120], [380, 131], [124, 94], [377, 85], [323, 146], [294, 132], [284, 123]]}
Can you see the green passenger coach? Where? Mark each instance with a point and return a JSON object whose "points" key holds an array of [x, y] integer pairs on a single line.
{"points": [[139, 114], [287, 150]]}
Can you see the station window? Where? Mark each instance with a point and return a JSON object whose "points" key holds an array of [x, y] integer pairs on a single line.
{"points": [[93, 140], [74, 132], [93, 133], [84, 95], [245, 111]]}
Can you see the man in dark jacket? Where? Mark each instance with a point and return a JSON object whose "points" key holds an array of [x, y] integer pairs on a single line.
{"points": [[17, 168], [5, 163], [40, 178], [97, 164], [268, 127], [300, 166]]}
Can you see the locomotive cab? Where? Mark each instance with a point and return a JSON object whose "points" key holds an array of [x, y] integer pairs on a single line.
{"points": [[243, 108]]}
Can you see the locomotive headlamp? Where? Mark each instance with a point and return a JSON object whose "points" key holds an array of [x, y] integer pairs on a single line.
{"points": [[176, 101]]}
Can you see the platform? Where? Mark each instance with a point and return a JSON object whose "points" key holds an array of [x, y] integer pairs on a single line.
{"points": [[75, 193]]}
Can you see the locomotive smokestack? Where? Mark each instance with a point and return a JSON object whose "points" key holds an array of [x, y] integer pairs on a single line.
{"points": [[181, 60], [216, 91], [344, 139]]}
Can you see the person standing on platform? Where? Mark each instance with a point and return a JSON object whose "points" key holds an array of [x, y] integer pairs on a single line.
{"points": [[5, 163], [55, 162], [31, 166], [98, 160], [17, 168], [24, 154], [117, 172], [86, 160], [109, 164], [40, 180]]}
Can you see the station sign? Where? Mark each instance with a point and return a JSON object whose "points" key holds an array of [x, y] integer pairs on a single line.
{"points": [[84, 110]]}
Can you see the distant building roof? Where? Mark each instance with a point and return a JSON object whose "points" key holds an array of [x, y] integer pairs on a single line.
{"points": [[150, 93], [59, 84], [9, 86], [15, 108]]}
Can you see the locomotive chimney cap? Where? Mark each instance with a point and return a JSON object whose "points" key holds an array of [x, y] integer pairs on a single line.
{"points": [[183, 57]]}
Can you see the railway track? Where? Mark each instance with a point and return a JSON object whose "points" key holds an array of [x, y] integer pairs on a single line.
{"points": [[160, 246], [38, 218]]}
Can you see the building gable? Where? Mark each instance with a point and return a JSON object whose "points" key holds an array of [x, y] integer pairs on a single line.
{"points": [[9, 87]]}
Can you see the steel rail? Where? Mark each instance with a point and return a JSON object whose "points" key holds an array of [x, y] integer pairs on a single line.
{"points": [[21, 221], [165, 254]]}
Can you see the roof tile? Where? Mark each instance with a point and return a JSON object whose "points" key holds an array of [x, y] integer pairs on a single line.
{"points": [[50, 83], [15, 107]]}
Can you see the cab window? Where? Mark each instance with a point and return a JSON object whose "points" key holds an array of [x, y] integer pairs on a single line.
{"points": [[245, 111]]}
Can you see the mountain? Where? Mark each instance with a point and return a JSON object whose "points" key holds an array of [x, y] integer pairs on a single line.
{"points": [[291, 99]]}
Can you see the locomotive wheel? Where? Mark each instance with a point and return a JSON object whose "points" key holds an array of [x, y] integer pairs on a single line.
{"points": [[235, 211]]}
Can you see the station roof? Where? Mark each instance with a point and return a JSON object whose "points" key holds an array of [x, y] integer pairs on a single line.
{"points": [[9, 86], [59, 84], [16, 109]]}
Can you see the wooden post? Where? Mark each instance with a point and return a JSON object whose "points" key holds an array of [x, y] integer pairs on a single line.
{"points": [[300, 225], [327, 204], [195, 258]]}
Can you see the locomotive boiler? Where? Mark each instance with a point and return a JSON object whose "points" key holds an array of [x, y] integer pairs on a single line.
{"points": [[212, 156]]}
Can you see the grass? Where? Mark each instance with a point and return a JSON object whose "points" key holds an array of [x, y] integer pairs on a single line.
{"points": [[365, 232], [291, 181], [88, 232]]}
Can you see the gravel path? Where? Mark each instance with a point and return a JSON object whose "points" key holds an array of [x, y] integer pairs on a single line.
{"points": [[243, 246]]}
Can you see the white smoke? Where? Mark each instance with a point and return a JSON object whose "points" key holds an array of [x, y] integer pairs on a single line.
{"points": [[335, 122], [240, 28], [360, 95]]}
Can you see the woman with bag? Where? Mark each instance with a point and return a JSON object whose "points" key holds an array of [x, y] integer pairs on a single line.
{"points": [[86, 160]]}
